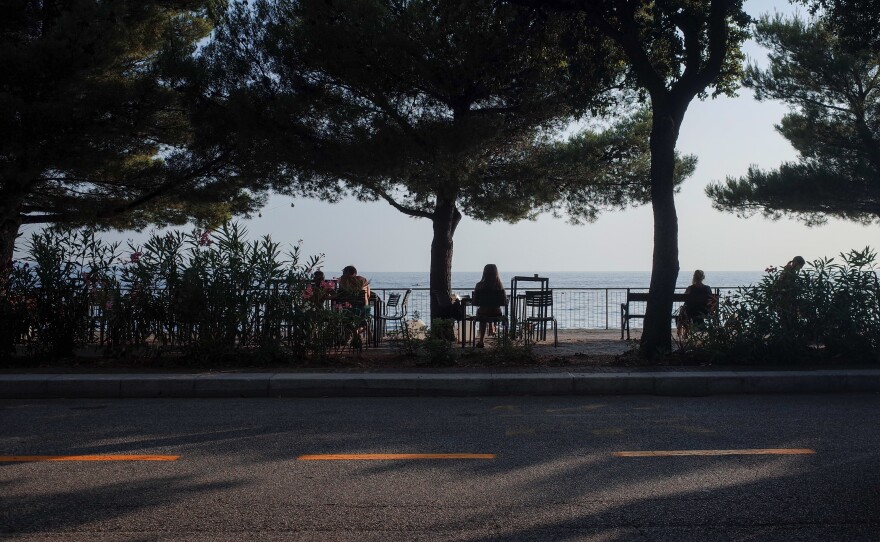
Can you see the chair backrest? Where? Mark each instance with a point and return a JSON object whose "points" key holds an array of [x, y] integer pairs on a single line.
{"points": [[393, 299], [353, 298], [490, 298], [539, 298], [405, 302]]}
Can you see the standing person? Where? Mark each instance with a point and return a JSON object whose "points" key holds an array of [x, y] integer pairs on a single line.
{"points": [[786, 289], [794, 265], [489, 297], [699, 304]]}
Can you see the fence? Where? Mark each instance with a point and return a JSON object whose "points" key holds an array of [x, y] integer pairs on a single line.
{"points": [[256, 316], [574, 308]]}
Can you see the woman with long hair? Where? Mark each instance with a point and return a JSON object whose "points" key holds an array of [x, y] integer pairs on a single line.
{"points": [[489, 297]]}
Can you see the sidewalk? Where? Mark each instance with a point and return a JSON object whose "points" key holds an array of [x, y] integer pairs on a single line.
{"points": [[458, 381], [435, 384]]}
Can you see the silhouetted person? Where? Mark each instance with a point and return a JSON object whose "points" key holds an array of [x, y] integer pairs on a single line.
{"points": [[700, 302], [488, 293]]}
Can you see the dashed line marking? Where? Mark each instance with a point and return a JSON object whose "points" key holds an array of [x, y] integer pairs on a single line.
{"points": [[759, 451], [37, 458], [380, 457]]}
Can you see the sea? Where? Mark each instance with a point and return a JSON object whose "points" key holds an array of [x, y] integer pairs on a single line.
{"points": [[462, 280]]}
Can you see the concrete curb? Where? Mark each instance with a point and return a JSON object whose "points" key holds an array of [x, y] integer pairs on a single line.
{"points": [[673, 383]]}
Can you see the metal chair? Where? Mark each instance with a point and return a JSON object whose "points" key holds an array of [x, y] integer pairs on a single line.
{"points": [[399, 312], [539, 312], [488, 298]]}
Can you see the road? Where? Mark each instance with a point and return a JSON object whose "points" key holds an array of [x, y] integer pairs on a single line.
{"points": [[543, 469]]}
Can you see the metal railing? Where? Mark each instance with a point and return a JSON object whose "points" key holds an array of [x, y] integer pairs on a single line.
{"points": [[574, 308], [269, 314]]}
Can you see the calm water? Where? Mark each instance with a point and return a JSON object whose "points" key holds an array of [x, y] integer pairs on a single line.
{"points": [[565, 279]]}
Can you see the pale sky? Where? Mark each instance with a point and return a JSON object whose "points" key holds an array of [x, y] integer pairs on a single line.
{"points": [[726, 135]]}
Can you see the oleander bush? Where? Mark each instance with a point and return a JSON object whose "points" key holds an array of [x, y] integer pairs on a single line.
{"points": [[202, 293], [828, 311]]}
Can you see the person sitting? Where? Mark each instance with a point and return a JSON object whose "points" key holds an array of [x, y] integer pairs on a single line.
{"points": [[700, 302], [489, 297], [354, 290], [319, 290]]}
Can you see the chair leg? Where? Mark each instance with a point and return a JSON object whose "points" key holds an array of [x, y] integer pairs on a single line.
{"points": [[473, 333]]}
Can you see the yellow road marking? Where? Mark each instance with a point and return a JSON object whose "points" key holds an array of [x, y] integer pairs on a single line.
{"points": [[32, 458], [358, 457], [760, 451]]}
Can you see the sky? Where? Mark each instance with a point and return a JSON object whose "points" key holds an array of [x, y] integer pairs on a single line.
{"points": [[726, 134]]}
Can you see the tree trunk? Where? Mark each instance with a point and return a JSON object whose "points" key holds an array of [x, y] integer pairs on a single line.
{"points": [[10, 222], [657, 333], [445, 219]]}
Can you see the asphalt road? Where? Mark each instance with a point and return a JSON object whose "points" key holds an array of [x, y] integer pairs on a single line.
{"points": [[552, 469]]}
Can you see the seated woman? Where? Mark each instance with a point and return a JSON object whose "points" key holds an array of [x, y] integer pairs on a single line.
{"points": [[319, 290], [489, 297], [699, 304]]}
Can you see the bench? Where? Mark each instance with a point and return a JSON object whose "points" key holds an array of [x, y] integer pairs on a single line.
{"points": [[635, 297]]}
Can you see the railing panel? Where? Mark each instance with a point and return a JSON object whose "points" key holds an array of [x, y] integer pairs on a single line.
{"points": [[574, 308], [267, 314]]}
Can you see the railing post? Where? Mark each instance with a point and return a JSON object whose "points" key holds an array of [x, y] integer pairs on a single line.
{"points": [[606, 309]]}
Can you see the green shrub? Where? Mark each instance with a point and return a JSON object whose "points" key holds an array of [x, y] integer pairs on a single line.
{"points": [[828, 311], [204, 293]]}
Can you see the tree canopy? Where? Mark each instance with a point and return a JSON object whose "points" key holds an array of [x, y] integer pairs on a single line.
{"points": [[92, 129], [856, 21], [437, 107], [834, 93]]}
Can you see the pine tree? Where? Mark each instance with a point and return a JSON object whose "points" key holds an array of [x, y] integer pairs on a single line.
{"points": [[675, 51], [440, 108], [834, 92], [92, 130]]}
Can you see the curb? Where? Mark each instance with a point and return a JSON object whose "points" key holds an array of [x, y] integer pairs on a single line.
{"points": [[671, 383]]}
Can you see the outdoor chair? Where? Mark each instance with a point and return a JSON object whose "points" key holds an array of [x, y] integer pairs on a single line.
{"points": [[488, 298], [539, 313], [398, 310], [358, 333]]}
